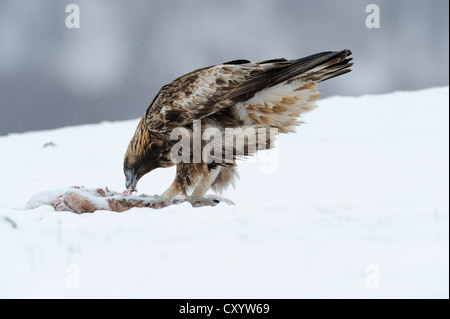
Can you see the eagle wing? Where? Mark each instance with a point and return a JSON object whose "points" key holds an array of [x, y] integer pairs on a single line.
{"points": [[206, 91]]}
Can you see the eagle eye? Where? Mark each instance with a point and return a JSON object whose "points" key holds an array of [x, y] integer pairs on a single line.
{"points": [[128, 165]]}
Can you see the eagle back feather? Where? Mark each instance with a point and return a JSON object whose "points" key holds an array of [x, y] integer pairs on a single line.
{"points": [[207, 91]]}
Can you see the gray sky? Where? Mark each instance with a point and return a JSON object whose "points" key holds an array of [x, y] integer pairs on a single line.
{"points": [[124, 51]]}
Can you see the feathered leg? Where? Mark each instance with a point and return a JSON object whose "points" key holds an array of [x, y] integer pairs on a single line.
{"points": [[197, 199], [171, 192], [177, 187], [206, 182]]}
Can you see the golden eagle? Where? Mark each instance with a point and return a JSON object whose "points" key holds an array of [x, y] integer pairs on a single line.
{"points": [[239, 94]]}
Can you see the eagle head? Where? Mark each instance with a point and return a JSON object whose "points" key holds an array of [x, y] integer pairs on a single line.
{"points": [[146, 151], [129, 170]]}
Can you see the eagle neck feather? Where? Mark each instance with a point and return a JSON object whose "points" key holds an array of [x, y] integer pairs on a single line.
{"points": [[141, 140]]}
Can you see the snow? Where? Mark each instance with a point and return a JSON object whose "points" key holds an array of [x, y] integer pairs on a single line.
{"points": [[355, 205]]}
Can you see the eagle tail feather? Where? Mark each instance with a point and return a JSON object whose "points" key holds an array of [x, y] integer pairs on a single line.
{"points": [[317, 67]]}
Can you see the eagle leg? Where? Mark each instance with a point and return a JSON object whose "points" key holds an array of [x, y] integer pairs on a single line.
{"points": [[197, 198], [167, 197], [206, 181]]}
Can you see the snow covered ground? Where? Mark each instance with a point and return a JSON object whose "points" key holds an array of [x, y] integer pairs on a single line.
{"points": [[355, 204]]}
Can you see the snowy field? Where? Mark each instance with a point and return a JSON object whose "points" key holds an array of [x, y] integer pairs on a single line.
{"points": [[355, 204]]}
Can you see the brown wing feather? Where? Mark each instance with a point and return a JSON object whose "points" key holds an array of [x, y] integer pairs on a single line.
{"points": [[206, 91]]}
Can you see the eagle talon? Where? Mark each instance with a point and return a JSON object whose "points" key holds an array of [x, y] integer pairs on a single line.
{"points": [[160, 202], [199, 201]]}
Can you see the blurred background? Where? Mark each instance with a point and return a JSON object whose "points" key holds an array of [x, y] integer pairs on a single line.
{"points": [[124, 51]]}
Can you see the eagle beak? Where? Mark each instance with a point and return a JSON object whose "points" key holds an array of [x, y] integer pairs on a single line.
{"points": [[131, 181]]}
